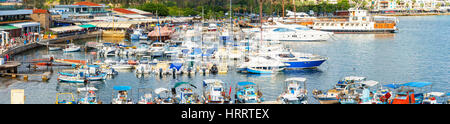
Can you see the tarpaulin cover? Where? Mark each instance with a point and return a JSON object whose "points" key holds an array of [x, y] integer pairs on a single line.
{"points": [[246, 83], [394, 86], [122, 88], [181, 83], [417, 84]]}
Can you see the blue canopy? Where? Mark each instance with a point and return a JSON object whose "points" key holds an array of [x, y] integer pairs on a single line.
{"points": [[122, 88], [176, 66], [448, 94], [207, 54], [417, 84], [185, 51], [394, 86], [197, 51], [93, 66], [210, 51], [246, 83]]}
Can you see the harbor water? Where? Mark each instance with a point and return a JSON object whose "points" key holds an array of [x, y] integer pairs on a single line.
{"points": [[418, 52]]}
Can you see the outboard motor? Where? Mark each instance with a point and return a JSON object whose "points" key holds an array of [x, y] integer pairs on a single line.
{"points": [[189, 70], [214, 69], [160, 72], [174, 72], [204, 71]]}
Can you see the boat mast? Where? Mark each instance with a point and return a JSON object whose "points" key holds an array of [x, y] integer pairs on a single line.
{"points": [[231, 23], [295, 12], [283, 8], [260, 21]]}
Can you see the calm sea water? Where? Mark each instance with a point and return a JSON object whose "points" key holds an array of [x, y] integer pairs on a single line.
{"points": [[419, 52]]}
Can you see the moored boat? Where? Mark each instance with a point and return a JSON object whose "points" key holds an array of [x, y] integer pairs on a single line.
{"points": [[246, 93], [215, 92], [293, 92]]}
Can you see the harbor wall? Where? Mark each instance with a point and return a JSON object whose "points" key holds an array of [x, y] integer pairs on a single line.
{"points": [[15, 50]]}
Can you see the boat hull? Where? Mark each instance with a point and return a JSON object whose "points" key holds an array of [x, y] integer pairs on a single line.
{"points": [[304, 64], [328, 100], [135, 36], [254, 71]]}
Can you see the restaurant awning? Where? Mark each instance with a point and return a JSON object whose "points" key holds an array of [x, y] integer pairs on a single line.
{"points": [[66, 29], [26, 24], [113, 25], [7, 27], [88, 26]]}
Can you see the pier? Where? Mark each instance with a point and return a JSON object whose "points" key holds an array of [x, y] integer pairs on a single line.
{"points": [[45, 76], [9, 67]]}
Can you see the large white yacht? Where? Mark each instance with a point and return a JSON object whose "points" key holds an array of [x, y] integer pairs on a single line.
{"points": [[292, 32]]}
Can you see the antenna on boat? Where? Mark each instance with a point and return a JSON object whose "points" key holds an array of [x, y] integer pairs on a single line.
{"points": [[260, 21]]}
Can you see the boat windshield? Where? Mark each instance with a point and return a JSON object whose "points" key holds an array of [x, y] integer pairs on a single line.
{"points": [[286, 55], [250, 92], [157, 45], [217, 89], [283, 30], [302, 28]]}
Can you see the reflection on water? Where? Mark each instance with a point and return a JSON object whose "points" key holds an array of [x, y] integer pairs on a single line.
{"points": [[416, 53]]}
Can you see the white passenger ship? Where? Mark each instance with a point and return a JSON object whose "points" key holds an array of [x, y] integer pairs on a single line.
{"points": [[359, 21]]}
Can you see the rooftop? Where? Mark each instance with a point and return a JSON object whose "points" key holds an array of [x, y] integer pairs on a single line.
{"points": [[87, 4], [39, 11], [124, 11]]}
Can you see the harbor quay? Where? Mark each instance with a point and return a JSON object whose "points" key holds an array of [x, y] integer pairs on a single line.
{"points": [[95, 53]]}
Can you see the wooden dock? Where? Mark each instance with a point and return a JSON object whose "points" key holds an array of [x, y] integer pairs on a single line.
{"points": [[45, 76], [9, 67]]}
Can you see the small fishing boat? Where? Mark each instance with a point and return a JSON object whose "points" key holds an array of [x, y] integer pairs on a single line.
{"points": [[69, 61], [212, 27], [331, 96], [293, 92], [164, 96], [122, 67], [63, 77], [246, 93], [408, 94], [90, 96], [215, 92], [185, 94], [95, 76], [147, 97], [72, 48], [122, 95], [54, 48], [143, 68], [157, 49], [65, 100]]}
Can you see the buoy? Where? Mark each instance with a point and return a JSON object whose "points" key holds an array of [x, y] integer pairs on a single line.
{"points": [[44, 78]]}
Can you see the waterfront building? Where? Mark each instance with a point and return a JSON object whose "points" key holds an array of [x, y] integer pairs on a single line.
{"points": [[43, 17], [18, 22], [80, 10]]}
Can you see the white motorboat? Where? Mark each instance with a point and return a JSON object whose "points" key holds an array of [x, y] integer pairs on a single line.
{"points": [[294, 93], [143, 68], [54, 48], [72, 48], [157, 49], [292, 32], [122, 67], [215, 91], [262, 65]]}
